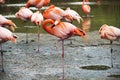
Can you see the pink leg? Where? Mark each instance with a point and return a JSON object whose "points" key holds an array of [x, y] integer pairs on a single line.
{"points": [[56, 44], [26, 29], [38, 39], [63, 58]]}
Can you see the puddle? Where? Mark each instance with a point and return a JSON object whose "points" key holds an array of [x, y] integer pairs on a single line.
{"points": [[96, 67], [115, 75]]}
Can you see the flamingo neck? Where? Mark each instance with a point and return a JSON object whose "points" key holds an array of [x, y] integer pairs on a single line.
{"points": [[48, 25]]}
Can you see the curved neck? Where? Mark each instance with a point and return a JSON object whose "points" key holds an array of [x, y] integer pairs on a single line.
{"points": [[47, 25]]}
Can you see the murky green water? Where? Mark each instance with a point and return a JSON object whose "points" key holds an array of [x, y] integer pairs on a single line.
{"points": [[108, 12]]}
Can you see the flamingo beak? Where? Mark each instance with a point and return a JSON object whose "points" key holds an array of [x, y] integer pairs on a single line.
{"points": [[81, 19], [78, 20], [13, 27]]}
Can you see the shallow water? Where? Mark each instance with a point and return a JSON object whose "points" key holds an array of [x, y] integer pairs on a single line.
{"points": [[21, 62], [107, 12]]}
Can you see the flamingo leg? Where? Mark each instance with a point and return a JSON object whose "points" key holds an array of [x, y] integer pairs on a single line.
{"points": [[38, 50], [26, 35], [63, 58], [111, 51], [56, 44], [26, 30], [2, 58]]}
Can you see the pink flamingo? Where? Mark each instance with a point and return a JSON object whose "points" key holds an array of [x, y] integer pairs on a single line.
{"points": [[2, 1], [110, 33], [37, 19], [72, 15], [62, 30], [37, 3], [4, 22], [6, 35], [86, 8], [69, 15], [25, 15], [53, 12]]}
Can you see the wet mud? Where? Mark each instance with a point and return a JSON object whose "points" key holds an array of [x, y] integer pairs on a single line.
{"points": [[22, 62]]}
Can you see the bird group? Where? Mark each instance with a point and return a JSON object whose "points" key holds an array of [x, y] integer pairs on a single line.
{"points": [[55, 21]]}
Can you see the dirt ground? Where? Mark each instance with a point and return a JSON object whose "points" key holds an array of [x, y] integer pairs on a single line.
{"points": [[22, 62]]}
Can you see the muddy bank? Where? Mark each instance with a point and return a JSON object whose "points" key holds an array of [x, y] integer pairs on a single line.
{"points": [[22, 62]]}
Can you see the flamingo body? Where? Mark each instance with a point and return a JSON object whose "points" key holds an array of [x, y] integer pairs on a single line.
{"points": [[2, 1], [86, 8], [62, 30], [37, 18], [6, 35], [24, 14], [37, 3], [72, 15], [109, 32], [53, 12], [6, 22]]}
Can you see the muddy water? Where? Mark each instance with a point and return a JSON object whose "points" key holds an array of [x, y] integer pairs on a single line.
{"points": [[21, 62]]}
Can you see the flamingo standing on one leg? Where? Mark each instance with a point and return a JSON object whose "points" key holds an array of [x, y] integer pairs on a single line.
{"points": [[4, 22], [111, 33], [86, 8], [69, 15], [62, 30], [25, 15], [37, 3], [6, 35], [37, 19]]}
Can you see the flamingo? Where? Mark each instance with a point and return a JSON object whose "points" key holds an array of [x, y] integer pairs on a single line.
{"points": [[54, 12], [62, 30], [86, 8], [110, 33], [6, 22], [6, 35], [37, 19], [37, 3], [72, 15], [2, 1], [25, 15]]}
